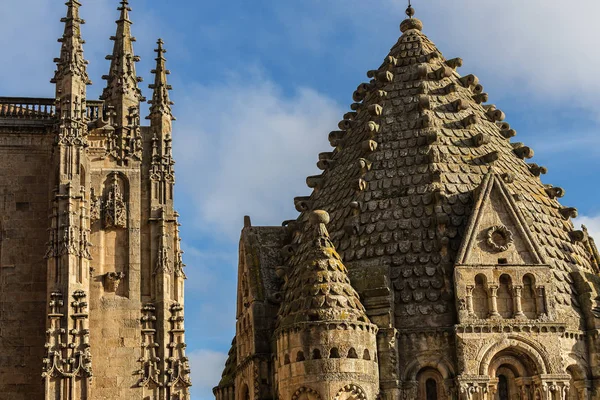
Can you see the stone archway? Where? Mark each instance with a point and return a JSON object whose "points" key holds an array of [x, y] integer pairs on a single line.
{"points": [[517, 347]]}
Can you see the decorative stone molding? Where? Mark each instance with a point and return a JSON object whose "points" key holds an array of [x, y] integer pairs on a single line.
{"points": [[149, 372], [305, 393], [499, 238], [351, 392]]}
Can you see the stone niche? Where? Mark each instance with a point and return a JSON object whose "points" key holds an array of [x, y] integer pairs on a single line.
{"points": [[110, 221]]}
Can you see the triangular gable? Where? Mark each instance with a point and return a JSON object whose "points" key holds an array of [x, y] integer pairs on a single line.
{"points": [[497, 232]]}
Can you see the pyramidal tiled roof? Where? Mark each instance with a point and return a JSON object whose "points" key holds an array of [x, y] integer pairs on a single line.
{"points": [[318, 288], [399, 185]]}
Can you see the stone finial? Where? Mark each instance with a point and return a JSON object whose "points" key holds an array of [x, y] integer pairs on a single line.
{"points": [[411, 23], [319, 217]]}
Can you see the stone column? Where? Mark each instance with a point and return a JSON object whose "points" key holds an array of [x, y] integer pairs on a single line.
{"points": [[517, 292], [494, 301], [541, 300], [525, 388], [469, 300]]}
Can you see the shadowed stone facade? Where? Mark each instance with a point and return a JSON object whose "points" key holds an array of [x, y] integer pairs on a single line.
{"points": [[91, 274], [429, 262]]}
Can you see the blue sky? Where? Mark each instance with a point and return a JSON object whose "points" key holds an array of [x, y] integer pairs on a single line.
{"points": [[259, 84]]}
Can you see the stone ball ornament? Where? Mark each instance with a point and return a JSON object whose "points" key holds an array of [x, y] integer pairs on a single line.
{"points": [[499, 238]]}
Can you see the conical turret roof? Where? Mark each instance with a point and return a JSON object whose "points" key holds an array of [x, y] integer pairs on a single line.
{"points": [[318, 288], [400, 184]]}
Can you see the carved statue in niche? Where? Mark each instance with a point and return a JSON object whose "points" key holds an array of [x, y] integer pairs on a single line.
{"points": [[95, 206], [115, 209], [112, 281]]}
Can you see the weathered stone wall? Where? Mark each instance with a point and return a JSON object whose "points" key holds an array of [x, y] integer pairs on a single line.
{"points": [[24, 160]]}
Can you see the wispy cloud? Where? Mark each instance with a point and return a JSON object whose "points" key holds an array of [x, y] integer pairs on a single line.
{"points": [[206, 366], [246, 147], [592, 223]]}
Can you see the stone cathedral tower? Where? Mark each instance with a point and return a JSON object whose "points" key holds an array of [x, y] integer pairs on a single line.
{"points": [[429, 262], [91, 274]]}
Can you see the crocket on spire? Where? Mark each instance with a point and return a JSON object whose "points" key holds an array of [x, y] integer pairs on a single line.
{"points": [[71, 59], [122, 91], [160, 103]]}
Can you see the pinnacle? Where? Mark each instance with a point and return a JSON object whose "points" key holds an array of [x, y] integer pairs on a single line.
{"points": [[161, 102], [122, 90], [71, 55], [125, 9]]}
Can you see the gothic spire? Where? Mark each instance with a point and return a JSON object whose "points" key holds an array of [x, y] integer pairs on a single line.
{"points": [[122, 91], [71, 62], [161, 103]]}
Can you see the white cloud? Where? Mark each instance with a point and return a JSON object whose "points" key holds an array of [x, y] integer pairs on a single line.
{"points": [[206, 366], [543, 49], [245, 147], [592, 223]]}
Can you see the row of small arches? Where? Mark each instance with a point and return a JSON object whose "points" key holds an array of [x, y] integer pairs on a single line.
{"points": [[532, 306], [333, 353]]}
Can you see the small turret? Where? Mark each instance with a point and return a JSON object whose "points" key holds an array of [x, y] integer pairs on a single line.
{"points": [[326, 344]]}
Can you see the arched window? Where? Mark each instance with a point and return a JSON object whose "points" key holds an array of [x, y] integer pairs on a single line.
{"points": [[366, 355], [503, 389], [505, 298], [286, 359], [300, 356], [430, 381], [316, 355], [431, 391], [528, 297], [334, 353], [352, 353], [480, 297]]}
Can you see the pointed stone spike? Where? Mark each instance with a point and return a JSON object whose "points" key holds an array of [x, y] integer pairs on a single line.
{"points": [[122, 91], [71, 53], [161, 103]]}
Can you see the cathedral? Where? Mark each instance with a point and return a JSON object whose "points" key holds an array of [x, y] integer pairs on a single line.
{"points": [[91, 271], [428, 262]]}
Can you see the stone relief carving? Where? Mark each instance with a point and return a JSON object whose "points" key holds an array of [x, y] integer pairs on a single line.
{"points": [[115, 209], [305, 393], [112, 281]]}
